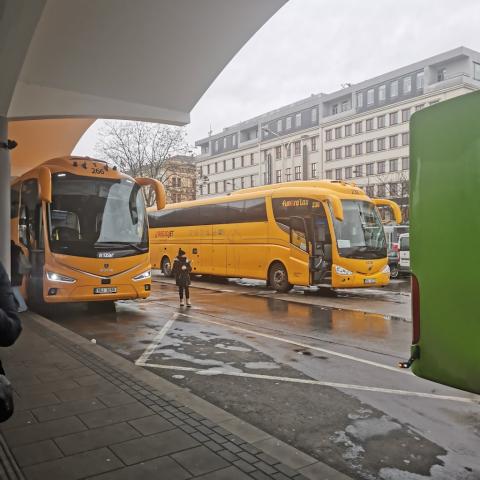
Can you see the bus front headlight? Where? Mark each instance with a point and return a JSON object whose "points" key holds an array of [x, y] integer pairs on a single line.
{"points": [[57, 277], [143, 276], [386, 269], [342, 271]]}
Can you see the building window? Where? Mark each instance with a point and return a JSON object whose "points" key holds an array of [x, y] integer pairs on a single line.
{"points": [[217, 168], [382, 93], [224, 165], [328, 174], [216, 145], [314, 115], [405, 115], [393, 165], [313, 143], [381, 167], [420, 80], [381, 122], [224, 142], [234, 140], [252, 159], [359, 99], [348, 130], [298, 120], [419, 107], [369, 124], [298, 173], [335, 109], [242, 161], [393, 118], [393, 187], [328, 135], [314, 170], [381, 144], [393, 141], [358, 170], [289, 123], [252, 180], [369, 146], [288, 174], [441, 74], [348, 172], [338, 174], [370, 167], [296, 148], [381, 190], [242, 182], [370, 96], [279, 176], [338, 133], [476, 71], [338, 153], [405, 189], [279, 125], [394, 89], [370, 190], [278, 152], [344, 106], [358, 148], [358, 127], [405, 138], [348, 151], [405, 163], [407, 85]]}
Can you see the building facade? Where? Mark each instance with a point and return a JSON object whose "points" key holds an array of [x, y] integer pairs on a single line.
{"points": [[180, 178], [358, 134]]}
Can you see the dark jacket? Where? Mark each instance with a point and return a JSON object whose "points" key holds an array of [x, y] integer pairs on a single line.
{"points": [[182, 276], [10, 326], [15, 252]]}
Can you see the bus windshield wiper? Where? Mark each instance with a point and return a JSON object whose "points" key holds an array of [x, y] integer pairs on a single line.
{"points": [[120, 245]]}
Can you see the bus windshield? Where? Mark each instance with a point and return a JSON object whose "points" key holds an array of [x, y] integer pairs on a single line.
{"points": [[360, 234], [89, 215]]}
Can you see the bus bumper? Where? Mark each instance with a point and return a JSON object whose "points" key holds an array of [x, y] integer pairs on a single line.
{"points": [[358, 280]]}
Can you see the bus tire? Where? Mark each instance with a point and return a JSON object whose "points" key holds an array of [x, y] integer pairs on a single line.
{"points": [[166, 266], [278, 278]]}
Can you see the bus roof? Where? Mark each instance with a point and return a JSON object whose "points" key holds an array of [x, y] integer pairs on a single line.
{"points": [[84, 166], [342, 190]]}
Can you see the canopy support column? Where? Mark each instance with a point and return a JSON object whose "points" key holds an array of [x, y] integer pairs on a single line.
{"points": [[4, 195]]}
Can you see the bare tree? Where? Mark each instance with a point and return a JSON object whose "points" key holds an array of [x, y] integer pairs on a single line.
{"points": [[141, 148]]}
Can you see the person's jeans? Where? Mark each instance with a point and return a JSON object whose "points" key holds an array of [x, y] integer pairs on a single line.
{"points": [[22, 306], [184, 289]]}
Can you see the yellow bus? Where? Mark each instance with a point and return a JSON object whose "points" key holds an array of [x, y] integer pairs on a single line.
{"points": [[324, 233], [84, 227]]}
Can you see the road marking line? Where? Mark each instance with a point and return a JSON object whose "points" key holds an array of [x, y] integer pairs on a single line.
{"points": [[303, 345], [156, 341], [346, 386]]}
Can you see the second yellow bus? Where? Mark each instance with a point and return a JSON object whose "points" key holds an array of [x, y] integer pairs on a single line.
{"points": [[307, 233]]}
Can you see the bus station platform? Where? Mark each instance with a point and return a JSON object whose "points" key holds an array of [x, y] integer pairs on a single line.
{"points": [[82, 411]]}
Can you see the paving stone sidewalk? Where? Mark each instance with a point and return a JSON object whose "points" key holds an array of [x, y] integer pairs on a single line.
{"points": [[84, 412]]}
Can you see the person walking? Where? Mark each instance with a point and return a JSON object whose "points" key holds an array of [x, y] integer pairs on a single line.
{"points": [[181, 271], [19, 266]]}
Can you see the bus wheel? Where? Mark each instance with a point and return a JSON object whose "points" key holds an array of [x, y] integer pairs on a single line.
{"points": [[394, 272], [166, 267], [278, 278]]}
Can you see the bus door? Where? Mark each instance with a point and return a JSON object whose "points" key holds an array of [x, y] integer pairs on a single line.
{"points": [[31, 237], [321, 254], [300, 247]]}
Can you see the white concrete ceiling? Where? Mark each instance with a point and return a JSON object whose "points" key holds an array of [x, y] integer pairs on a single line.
{"points": [[131, 59]]}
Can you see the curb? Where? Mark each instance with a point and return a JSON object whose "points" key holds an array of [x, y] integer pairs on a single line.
{"points": [[308, 466]]}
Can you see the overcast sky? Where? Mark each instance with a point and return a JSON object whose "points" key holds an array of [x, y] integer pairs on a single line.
{"points": [[313, 46]]}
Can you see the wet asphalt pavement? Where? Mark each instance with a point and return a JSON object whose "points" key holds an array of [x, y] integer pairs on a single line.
{"points": [[320, 377]]}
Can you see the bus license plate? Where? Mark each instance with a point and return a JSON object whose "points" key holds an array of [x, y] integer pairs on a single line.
{"points": [[369, 281], [103, 290]]}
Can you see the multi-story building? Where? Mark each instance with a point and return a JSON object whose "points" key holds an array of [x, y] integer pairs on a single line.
{"points": [[359, 133], [179, 176]]}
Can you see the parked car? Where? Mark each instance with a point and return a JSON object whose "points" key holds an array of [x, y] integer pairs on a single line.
{"points": [[404, 251]]}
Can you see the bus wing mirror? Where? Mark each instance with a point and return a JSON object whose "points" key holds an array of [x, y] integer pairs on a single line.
{"points": [[45, 182], [383, 202], [160, 196]]}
